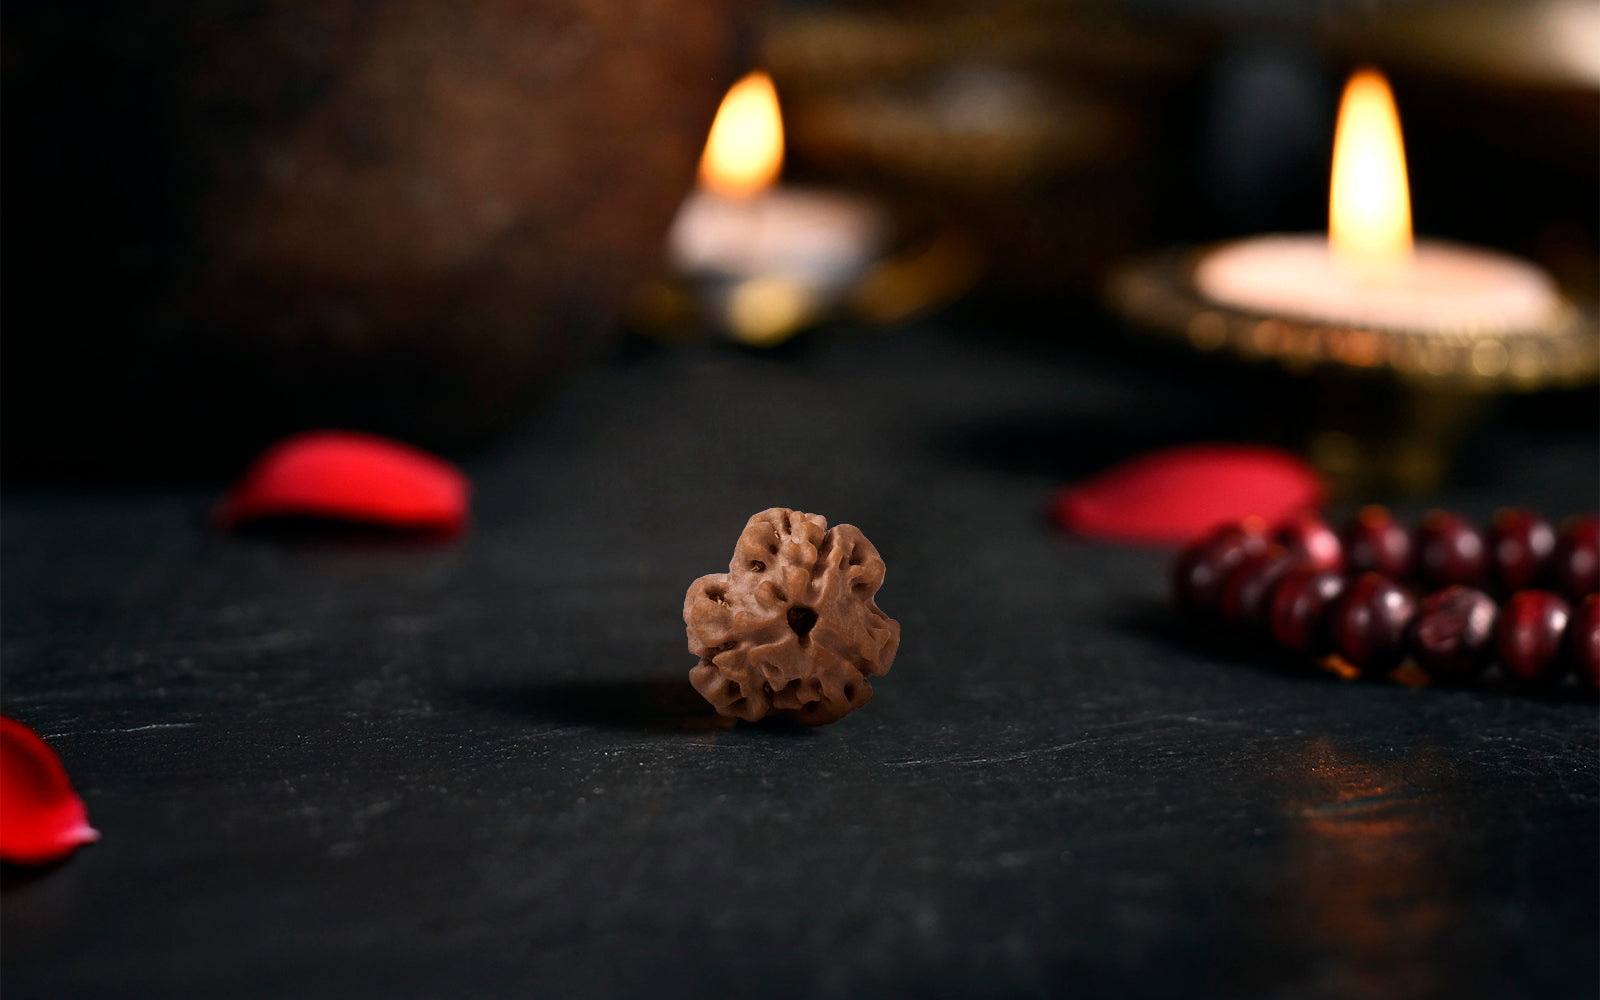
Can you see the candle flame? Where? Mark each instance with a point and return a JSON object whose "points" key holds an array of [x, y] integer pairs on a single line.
{"points": [[1369, 207], [744, 153]]}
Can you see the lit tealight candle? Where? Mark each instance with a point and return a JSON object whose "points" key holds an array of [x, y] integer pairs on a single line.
{"points": [[776, 255], [1366, 271]]}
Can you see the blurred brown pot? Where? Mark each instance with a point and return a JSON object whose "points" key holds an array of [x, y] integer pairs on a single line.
{"points": [[230, 220]]}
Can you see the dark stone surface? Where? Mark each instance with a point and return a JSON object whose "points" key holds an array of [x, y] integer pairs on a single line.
{"points": [[328, 765]]}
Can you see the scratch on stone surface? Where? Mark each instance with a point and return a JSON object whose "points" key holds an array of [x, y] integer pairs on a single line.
{"points": [[131, 729], [1110, 732]]}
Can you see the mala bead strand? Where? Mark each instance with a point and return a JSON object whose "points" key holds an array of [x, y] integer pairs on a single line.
{"points": [[1288, 584]]}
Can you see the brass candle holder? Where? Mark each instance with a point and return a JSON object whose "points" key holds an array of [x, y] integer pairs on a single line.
{"points": [[1381, 408]]}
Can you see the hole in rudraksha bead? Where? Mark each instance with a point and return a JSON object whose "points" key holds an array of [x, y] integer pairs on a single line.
{"points": [[801, 619]]}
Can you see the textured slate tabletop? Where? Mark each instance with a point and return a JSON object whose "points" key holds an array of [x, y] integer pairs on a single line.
{"points": [[343, 765]]}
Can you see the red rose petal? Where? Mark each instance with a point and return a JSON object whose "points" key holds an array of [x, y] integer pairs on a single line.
{"points": [[1175, 494], [41, 817], [349, 476]]}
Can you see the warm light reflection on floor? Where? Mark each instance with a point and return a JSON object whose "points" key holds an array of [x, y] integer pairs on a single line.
{"points": [[1366, 884]]}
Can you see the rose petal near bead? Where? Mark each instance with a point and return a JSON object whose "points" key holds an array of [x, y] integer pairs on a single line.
{"points": [[1172, 495], [41, 818], [350, 476]]}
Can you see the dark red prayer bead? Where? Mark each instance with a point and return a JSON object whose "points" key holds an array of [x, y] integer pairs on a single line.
{"points": [[1244, 596], [1299, 607], [1370, 621], [1449, 550], [1529, 633], [1520, 545], [1583, 641], [1577, 557], [1375, 542], [1309, 536], [1452, 636], [1203, 568]]}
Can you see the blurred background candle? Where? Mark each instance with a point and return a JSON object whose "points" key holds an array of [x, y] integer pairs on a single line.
{"points": [[1366, 271], [768, 258]]}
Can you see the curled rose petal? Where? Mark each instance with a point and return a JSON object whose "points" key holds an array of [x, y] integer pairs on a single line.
{"points": [[1174, 494], [41, 817], [350, 476]]}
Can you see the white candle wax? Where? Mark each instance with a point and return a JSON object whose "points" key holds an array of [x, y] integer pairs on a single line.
{"points": [[1446, 287], [821, 239]]}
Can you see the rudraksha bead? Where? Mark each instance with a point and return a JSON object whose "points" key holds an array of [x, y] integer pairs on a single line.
{"points": [[791, 628], [1528, 636], [1452, 637]]}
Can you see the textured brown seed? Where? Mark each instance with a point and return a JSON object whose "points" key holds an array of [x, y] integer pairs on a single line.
{"points": [[791, 628]]}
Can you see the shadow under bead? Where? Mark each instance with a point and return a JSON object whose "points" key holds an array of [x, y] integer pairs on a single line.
{"points": [[791, 629]]}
